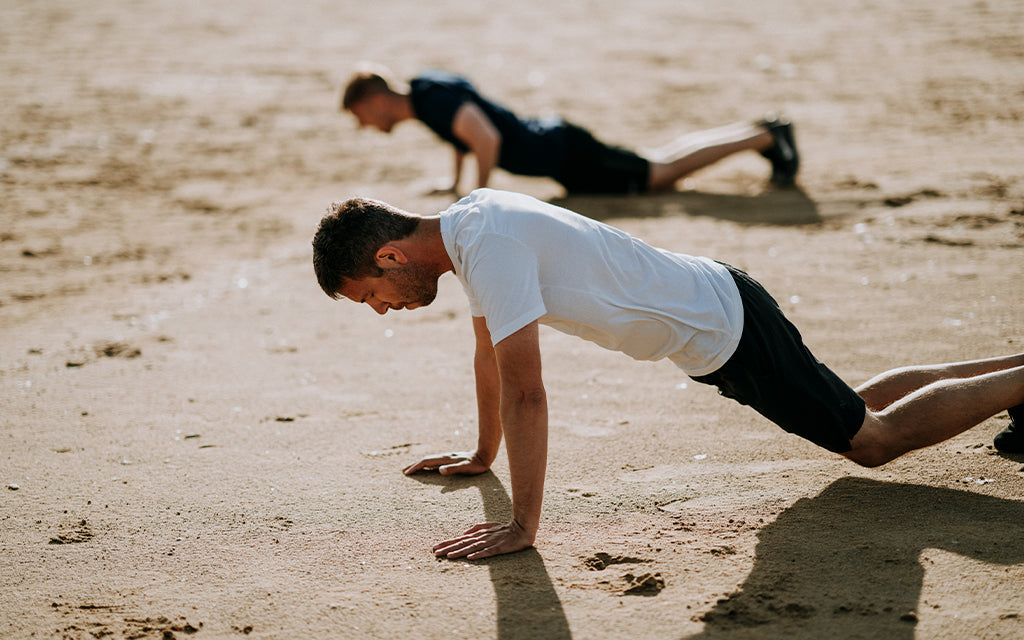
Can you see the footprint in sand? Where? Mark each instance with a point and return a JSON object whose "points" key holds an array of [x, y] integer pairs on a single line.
{"points": [[644, 584]]}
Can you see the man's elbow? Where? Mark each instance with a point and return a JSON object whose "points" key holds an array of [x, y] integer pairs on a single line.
{"points": [[530, 397]]}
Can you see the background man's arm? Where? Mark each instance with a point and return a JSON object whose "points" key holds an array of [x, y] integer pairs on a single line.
{"points": [[453, 186], [475, 129], [457, 176], [524, 421]]}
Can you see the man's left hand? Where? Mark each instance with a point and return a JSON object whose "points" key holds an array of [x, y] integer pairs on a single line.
{"points": [[486, 540]]}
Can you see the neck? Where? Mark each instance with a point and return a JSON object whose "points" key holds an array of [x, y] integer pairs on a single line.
{"points": [[428, 238], [402, 105]]}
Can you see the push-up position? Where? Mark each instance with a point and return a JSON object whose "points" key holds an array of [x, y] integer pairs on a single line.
{"points": [[523, 262], [551, 147]]}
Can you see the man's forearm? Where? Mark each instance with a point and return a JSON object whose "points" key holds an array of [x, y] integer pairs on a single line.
{"points": [[488, 420], [457, 170], [484, 166], [524, 419], [487, 153]]}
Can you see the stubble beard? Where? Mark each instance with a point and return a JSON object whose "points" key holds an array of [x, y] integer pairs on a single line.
{"points": [[418, 285]]}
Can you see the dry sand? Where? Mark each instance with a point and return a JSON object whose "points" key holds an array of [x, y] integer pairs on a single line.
{"points": [[196, 442]]}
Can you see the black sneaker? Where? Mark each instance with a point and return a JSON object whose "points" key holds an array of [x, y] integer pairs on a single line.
{"points": [[783, 154], [1011, 439]]}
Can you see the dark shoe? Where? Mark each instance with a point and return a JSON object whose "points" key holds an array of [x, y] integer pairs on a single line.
{"points": [[783, 154], [1011, 439]]}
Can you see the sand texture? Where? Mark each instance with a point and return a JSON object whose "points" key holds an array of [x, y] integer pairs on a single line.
{"points": [[196, 442]]}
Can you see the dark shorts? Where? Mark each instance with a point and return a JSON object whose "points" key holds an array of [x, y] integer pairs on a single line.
{"points": [[592, 166], [775, 374]]}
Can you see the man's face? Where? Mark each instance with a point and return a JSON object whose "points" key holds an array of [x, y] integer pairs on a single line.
{"points": [[371, 112], [407, 287]]}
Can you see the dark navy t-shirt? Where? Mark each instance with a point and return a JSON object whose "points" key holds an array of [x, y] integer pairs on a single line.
{"points": [[534, 147]]}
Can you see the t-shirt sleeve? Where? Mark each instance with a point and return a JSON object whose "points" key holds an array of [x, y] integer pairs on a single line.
{"points": [[503, 286], [436, 108]]}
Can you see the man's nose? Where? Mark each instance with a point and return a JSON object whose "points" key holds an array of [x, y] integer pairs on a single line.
{"points": [[378, 306]]}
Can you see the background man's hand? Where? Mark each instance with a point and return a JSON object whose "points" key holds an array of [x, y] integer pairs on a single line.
{"points": [[442, 191], [458, 462]]}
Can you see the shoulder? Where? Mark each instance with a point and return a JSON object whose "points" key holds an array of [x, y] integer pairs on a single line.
{"points": [[434, 79], [465, 217], [494, 206], [436, 98], [480, 219]]}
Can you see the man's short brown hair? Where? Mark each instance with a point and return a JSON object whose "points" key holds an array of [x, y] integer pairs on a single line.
{"points": [[346, 242], [365, 82]]}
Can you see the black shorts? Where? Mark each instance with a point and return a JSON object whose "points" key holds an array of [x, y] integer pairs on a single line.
{"points": [[592, 166], [775, 374]]}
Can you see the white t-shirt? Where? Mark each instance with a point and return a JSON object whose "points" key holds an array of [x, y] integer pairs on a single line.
{"points": [[520, 260]]}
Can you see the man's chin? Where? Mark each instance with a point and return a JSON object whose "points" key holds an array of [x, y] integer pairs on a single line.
{"points": [[420, 303]]}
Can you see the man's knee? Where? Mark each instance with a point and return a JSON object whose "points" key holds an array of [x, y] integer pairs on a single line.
{"points": [[869, 456], [873, 445]]}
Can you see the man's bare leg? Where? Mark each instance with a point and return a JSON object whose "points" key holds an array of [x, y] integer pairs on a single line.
{"points": [[697, 150], [886, 388], [934, 413]]}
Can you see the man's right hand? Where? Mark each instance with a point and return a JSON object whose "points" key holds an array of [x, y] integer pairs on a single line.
{"points": [[447, 464]]}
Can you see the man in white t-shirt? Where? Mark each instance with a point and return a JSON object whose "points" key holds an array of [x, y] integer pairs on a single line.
{"points": [[523, 262]]}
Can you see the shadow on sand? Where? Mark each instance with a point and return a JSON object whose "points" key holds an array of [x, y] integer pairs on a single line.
{"points": [[846, 563], [843, 564], [786, 207], [528, 607]]}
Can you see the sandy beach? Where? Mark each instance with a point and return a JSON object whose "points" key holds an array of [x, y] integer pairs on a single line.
{"points": [[196, 442]]}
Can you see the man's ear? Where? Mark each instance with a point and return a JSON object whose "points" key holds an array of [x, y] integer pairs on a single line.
{"points": [[389, 256]]}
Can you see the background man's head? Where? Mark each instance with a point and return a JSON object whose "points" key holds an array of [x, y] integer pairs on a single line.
{"points": [[369, 96]]}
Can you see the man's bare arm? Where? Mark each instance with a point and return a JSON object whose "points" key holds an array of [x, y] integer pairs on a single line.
{"points": [[475, 129], [457, 171], [485, 368], [524, 422], [453, 186]]}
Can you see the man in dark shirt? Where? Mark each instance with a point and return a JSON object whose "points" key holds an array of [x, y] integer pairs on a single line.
{"points": [[551, 147]]}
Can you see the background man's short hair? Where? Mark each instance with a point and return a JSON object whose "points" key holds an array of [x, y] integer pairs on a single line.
{"points": [[368, 79]]}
